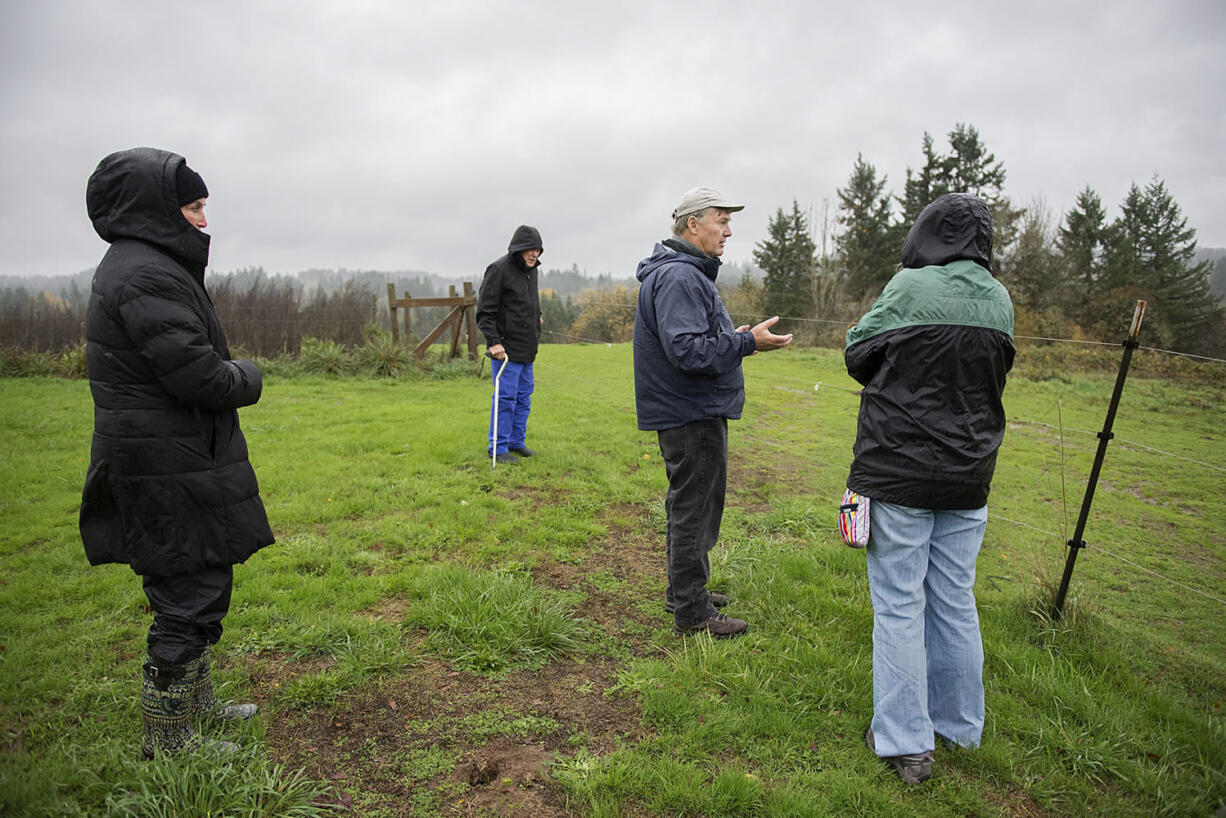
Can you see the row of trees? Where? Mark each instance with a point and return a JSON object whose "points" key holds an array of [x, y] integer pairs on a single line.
{"points": [[1073, 276], [1080, 275]]}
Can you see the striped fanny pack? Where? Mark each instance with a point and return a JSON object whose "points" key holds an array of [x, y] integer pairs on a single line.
{"points": [[853, 519]]}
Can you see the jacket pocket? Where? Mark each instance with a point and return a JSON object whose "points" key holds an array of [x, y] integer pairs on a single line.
{"points": [[149, 523]]}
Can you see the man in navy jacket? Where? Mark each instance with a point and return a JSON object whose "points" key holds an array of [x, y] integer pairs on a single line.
{"points": [[687, 384]]}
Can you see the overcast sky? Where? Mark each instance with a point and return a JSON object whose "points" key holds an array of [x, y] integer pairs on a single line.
{"points": [[395, 135]]}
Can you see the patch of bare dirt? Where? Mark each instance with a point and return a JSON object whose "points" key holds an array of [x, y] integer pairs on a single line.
{"points": [[618, 573], [467, 744]]}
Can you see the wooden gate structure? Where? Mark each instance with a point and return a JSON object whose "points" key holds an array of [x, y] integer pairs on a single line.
{"points": [[463, 316]]}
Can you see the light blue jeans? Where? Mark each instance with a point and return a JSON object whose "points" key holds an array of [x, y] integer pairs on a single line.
{"points": [[514, 403], [927, 651]]}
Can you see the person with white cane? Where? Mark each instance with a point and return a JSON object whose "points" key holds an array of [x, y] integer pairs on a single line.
{"points": [[509, 315]]}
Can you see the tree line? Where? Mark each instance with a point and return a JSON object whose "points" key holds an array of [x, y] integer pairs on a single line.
{"points": [[1077, 276]]}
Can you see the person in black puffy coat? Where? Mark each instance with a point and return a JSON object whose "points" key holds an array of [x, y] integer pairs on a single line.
{"points": [[169, 490]]}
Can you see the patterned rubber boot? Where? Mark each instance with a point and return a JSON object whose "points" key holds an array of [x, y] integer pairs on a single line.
{"points": [[166, 705], [205, 703]]}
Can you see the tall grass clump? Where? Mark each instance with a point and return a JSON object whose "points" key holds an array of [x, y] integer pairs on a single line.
{"points": [[211, 782], [382, 357], [488, 622], [324, 357]]}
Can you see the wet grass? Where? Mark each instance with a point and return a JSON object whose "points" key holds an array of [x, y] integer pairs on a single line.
{"points": [[402, 557]]}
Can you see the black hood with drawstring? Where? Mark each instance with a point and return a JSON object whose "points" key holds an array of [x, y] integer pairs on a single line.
{"points": [[508, 303]]}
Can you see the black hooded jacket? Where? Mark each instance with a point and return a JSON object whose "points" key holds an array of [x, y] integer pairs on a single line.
{"points": [[932, 354], [508, 304], [169, 488]]}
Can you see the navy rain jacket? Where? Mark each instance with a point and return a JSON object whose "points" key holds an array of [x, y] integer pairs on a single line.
{"points": [[687, 355]]}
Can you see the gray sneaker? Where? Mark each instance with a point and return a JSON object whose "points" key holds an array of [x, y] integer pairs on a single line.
{"points": [[718, 600], [913, 768], [720, 626]]}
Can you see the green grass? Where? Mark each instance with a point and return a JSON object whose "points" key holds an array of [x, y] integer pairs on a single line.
{"points": [[402, 558]]}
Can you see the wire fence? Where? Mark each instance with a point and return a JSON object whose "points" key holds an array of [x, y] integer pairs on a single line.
{"points": [[818, 386]]}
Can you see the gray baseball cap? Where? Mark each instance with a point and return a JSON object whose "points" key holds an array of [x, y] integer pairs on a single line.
{"points": [[700, 198]]}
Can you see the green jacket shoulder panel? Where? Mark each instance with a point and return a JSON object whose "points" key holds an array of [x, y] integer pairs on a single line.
{"points": [[961, 293]]}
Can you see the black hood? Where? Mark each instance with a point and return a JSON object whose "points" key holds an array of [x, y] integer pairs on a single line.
{"points": [[525, 238], [955, 226], [132, 195]]}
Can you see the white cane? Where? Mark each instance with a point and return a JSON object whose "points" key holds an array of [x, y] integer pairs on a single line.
{"points": [[494, 435]]}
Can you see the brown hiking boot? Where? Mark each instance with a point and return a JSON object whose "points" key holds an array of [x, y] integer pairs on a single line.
{"points": [[720, 626]]}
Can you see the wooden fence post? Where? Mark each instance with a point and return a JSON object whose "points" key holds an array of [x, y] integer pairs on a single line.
{"points": [[470, 321], [391, 312]]}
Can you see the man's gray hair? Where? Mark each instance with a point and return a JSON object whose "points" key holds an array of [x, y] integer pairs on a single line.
{"points": [[682, 222]]}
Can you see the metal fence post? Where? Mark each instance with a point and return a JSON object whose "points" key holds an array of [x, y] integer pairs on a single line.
{"points": [[1104, 437]]}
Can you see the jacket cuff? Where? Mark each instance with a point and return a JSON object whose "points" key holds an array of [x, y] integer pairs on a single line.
{"points": [[750, 345]]}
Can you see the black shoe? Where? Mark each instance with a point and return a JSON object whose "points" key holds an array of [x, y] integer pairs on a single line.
{"points": [[720, 626], [913, 768], [507, 459], [523, 451], [718, 600]]}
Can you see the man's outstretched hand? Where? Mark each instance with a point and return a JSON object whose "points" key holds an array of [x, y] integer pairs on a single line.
{"points": [[763, 339]]}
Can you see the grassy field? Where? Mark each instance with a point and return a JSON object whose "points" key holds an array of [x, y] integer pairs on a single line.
{"points": [[430, 637]]}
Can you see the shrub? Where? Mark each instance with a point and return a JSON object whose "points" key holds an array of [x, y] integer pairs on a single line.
{"points": [[382, 357], [71, 362], [324, 357]]}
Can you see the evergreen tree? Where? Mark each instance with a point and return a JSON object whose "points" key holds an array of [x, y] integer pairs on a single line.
{"points": [[1034, 274], [968, 168], [1080, 245], [1149, 255], [788, 258], [929, 183], [867, 245]]}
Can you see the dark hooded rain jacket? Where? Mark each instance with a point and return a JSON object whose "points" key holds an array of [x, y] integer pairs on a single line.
{"points": [[508, 304], [169, 488], [932, 354], [687, 356]]}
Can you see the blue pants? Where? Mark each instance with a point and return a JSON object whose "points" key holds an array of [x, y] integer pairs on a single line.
{"points": [[514, 403], [927, 651]]}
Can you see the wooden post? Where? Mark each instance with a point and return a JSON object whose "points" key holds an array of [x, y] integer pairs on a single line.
{"points": [[391, 312], [470, 322], [408, 319], [455, 328]]}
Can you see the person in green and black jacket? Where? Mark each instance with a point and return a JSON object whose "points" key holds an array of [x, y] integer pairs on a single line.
{"points": [[932, 355]]}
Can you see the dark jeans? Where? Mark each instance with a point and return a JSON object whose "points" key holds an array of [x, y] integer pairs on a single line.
{"points": [[696, 462], [187, 612]]}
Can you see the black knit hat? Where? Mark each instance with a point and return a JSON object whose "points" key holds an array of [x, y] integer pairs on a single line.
{"points": [[189, 185]]}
